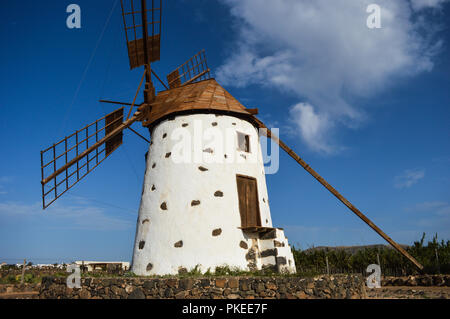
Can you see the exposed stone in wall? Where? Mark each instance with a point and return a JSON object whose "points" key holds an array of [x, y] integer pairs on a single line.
{"points": [[141, 244], [281, 260], [182, 270], [251, 258], [278, 244], [195, 203], [243, 244], [339, 287], [217, 232], [164, 206], [269, 252], [178, 244], [269, 235], [420, 280], [218, 194], [203, 169]]}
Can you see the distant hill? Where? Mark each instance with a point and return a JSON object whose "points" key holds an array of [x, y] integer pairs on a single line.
{"points": [[351, 249]]}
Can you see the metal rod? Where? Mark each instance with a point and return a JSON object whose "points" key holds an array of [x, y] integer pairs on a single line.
{"points": [[139, 135], [153, 72], [322, 181], [114, 102]]}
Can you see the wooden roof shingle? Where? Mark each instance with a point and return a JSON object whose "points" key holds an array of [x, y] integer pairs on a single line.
{"points": [[205, 95]]}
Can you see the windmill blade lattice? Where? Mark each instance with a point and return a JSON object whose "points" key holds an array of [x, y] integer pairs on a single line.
{"points": [[193, 70], [65, 163], [142, 19]]}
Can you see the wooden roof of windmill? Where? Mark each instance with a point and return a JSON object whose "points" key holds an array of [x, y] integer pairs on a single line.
{"points": [[206, 96]]}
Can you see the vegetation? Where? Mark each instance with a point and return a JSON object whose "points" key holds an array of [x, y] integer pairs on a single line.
{"points": [[434, 256]]}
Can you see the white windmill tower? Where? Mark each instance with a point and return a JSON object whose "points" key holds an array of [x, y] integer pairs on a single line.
{"points": [[202, 204], [212, 208]]}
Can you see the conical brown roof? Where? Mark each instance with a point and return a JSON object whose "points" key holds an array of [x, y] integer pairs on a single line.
{"points": [[205, 95]]}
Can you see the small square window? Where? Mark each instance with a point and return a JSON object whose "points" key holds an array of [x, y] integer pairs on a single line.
{"points": [[243, 142]]}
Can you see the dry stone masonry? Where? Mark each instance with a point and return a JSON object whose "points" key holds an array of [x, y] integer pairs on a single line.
{"points": [[337, 287]]}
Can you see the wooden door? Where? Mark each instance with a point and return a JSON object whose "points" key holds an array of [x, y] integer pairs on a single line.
{"points": [[248, 201]]}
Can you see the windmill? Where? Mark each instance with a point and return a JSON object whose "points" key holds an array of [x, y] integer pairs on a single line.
{"points": [[196, 212]]}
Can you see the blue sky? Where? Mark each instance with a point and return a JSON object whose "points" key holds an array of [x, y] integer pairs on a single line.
{"points": [[367, 108]]}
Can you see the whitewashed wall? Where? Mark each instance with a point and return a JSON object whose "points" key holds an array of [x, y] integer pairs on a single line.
{"points": [[179, 184]]}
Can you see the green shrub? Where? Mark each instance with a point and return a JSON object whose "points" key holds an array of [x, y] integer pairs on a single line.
{"points": [[392, 262]]}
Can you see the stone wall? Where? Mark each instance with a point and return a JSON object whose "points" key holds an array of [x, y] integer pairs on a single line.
{"points": [[422, 280], [207, 288]]}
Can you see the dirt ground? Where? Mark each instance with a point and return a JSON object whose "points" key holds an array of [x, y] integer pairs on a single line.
{"points": [[20, 295], [404, 292]]}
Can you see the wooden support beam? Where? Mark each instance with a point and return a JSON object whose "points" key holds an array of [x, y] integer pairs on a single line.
{"points": [[322, 181]]}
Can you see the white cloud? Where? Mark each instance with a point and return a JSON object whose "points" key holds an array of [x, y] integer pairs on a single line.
{"points": [[311, 126], [436, 207], [68, 216], [322, 52], [408, 178], [424, 4]]}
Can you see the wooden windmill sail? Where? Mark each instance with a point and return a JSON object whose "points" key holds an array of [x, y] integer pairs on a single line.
{"points": [[190, 89]]}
